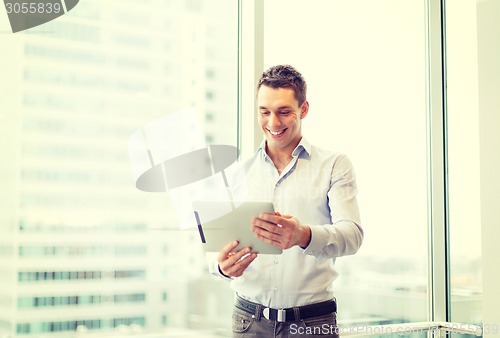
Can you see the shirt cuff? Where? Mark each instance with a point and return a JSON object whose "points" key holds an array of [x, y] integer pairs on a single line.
{"points": [[214, 269], [318, 241], [222, 273]]}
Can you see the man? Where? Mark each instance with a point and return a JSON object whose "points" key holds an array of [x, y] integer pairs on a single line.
{"points": [[316, 220]]}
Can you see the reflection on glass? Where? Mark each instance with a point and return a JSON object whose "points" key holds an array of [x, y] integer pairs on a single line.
{"points": [[82, 251]]}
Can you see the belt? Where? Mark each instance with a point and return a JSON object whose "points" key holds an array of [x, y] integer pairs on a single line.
{"points": [[287, 315]]}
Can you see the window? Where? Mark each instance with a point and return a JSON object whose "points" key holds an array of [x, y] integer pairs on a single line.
{"points": [[366, 88], [70, 212]]}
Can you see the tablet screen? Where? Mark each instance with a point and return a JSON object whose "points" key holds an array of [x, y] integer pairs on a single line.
{"points": [[220, 222]]}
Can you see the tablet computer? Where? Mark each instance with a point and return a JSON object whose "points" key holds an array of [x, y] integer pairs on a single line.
{"points": [[220, 222]]}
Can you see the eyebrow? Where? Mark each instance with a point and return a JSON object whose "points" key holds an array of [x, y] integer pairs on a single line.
{"points": [[281, 107]]}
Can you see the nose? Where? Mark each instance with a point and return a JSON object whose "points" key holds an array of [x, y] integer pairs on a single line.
{"points": [[274, 120]]}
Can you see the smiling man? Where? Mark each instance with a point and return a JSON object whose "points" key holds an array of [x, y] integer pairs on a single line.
{"points": [[317, 220]]}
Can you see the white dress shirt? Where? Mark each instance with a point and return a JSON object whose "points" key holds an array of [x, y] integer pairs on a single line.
{"points": [[318, 187]]}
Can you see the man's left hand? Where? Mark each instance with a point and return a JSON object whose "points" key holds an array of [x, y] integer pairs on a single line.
{"points": [[282, 231]]}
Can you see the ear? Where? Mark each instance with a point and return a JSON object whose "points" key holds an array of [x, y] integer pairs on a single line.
{"points": [[304, 109]]}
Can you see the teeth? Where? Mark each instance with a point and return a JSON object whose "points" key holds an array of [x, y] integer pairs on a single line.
{"points": [[276, 132]]}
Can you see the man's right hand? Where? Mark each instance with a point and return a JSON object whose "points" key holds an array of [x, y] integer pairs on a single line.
{"points": [[233, 264]]}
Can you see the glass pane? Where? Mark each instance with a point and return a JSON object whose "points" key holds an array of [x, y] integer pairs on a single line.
{"points": [[81, 249], [365, 66], [464, 169]]}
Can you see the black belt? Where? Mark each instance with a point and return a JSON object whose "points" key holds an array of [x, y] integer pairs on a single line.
{"points": [[287, 315]]}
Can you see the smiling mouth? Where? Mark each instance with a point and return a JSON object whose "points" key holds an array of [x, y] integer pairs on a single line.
{"points": [[276, 133]]}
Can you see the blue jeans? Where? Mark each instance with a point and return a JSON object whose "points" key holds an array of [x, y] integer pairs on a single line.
{"points": [[247, 325]]}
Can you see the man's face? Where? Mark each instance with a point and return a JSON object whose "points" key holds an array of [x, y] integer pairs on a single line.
{"points": [[280, 117]]}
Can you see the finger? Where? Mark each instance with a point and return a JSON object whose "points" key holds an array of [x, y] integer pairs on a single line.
{"points": [[239, 267], [240, 254], [266, 234], [278, 214], [278, 220], [226, 250], [268, 240], [265, 225], [233, 258], [243, 263], [271, 218], [282, 221]]}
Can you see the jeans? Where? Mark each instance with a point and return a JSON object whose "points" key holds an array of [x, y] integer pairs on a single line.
{"points": [[248, 325]]}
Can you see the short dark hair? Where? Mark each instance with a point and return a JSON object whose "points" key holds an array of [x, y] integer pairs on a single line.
{"points": [[285, 76]]}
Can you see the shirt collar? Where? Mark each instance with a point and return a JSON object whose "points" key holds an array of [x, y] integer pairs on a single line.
{"points": [[303, 145]]}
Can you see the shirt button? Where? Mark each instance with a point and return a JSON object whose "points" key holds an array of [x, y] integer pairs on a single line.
{"points": [[275, 289]]}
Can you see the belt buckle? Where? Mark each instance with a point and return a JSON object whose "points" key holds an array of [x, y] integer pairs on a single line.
{"points": [[265, 312], [281, 314]]}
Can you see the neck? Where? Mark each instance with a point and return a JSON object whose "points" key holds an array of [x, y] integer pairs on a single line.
{"points": [[280, 159], [281, 156]]}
